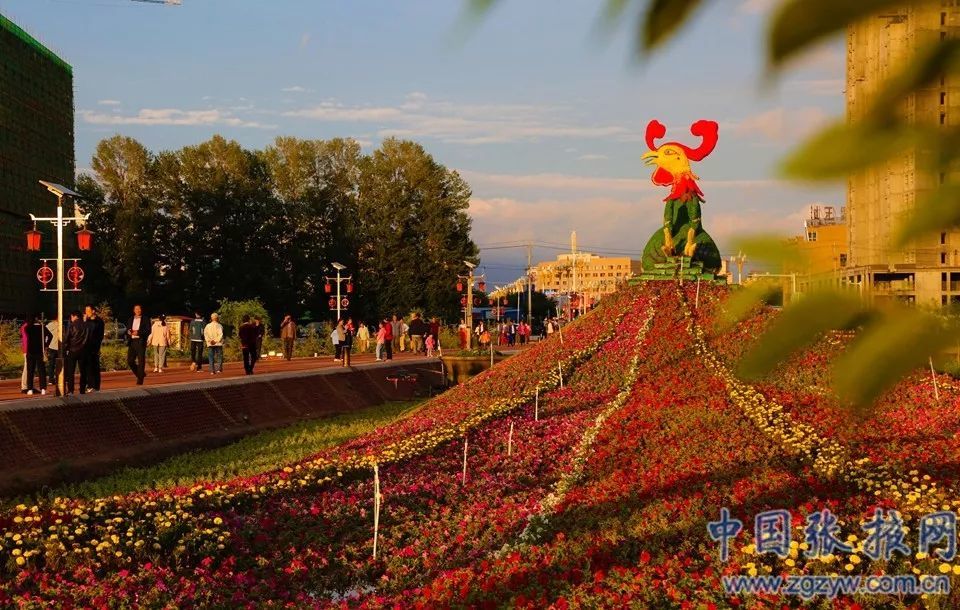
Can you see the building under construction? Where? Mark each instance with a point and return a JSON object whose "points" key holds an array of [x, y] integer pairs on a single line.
{"points": [[36, 143], [928, 270]]}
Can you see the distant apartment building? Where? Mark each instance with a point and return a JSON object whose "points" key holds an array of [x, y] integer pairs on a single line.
{"points": [[36, 143], [585, 272], [928, 270]]}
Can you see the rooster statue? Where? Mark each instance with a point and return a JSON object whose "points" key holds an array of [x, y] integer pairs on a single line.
{"points": [[681, 213]]}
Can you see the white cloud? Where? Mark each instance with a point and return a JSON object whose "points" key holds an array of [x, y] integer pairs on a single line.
{"points": [[783, 124], [420, 117], [818, 86], [755, 7], [294, 89], [304, 40], [574, 185], [170, 116], [592, 157], [108, 102]]}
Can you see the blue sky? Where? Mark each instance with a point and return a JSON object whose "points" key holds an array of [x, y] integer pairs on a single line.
{"points": [[538, 105]]}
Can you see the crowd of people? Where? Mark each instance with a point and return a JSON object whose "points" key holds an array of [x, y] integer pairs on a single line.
{"points": [[84, 334], [79, 350]]}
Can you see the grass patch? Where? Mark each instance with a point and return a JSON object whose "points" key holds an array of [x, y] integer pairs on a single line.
{"points": [[261, 452]]}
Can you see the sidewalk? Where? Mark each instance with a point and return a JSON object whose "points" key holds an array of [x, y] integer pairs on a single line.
{"points": [[181, 373]]}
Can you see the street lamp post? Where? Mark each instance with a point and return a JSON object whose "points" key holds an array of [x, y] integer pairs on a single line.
{"points": [[339, 279], [468, 307], [59, 222]]}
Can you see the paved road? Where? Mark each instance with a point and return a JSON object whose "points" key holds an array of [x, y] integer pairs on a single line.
{"points": [[180, 373]]}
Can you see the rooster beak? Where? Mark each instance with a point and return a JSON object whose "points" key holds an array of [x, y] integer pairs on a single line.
{"points": [[650, 158]]}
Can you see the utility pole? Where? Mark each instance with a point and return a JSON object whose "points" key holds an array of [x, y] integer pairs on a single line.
{"points": [[468, 306], [529, 284], [573, 251]]}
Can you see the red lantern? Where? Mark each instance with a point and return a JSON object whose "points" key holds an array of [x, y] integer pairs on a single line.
{"points": [[327, 288], [459, 286], [492, 302], [349, 287], [33, 239], [84, 239], [503, 300], [482, 286]]}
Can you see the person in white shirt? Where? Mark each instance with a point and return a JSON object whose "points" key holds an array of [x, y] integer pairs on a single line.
{"points": [[159, 339], [213, 336]]}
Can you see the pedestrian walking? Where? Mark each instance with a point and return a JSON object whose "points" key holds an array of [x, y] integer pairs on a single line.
{"points": [[24, 386], [159, 339], [90, 363], [37, 338], [74, 344], [346, 342], [405, 340], [196, 341], [381, 340], [53, 353], [464, 334], [261, 333], [336, 336], [396, 331], [388, 338], [434, 330], [418, 330], [249, 336], [288, 334], [363, 338], [137, 335], [213, 336]]}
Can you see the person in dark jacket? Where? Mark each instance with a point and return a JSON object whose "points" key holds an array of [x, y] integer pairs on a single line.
{"points": [[196, 341], [90, 361], [74, 343], [138, 330], [346, 342], [418, 330], [249, 336], [38, 337]]}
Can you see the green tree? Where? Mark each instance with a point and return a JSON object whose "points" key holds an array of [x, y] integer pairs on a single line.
{"points": [[123, 214]]}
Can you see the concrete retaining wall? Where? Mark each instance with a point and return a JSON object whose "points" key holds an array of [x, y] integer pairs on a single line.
{"points": [[49, 440]]}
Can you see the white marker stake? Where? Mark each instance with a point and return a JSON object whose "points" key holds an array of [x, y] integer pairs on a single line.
{"points": [[560, 372], [376, 508], [536, 405], [510, 441], [464, 460], [936, 391], [681, 271], [696, 303]]}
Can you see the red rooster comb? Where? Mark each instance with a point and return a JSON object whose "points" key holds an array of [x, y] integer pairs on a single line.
{"points": [[707, 130]]}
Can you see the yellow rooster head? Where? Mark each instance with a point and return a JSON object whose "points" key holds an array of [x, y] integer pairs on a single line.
{"points": [[672, 159]]}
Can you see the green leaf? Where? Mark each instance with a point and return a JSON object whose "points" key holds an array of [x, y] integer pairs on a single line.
{"points": [[844, 148], [776, 252], [614, 9], [799, 23], [479, 7], [742, 303], [930, 63], [934, 213], [798, 326], [663, 18], [894, 345]]}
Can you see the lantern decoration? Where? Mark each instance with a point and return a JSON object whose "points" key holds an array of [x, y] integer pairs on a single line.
{"points": [[332, 302], [33, 239], [492, 302], [327, 288], [459, 286], [349, 287], [463, 301], [482, 286], [84, 239], [503, 301]]}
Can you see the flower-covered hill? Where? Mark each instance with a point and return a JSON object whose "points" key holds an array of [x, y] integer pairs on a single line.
{"points": [[582, 473]]}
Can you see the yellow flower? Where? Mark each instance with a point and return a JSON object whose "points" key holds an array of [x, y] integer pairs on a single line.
{"points": [[945, 568]]}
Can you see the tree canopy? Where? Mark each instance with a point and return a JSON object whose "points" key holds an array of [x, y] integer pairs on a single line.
{"points": [[186, 229]]}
